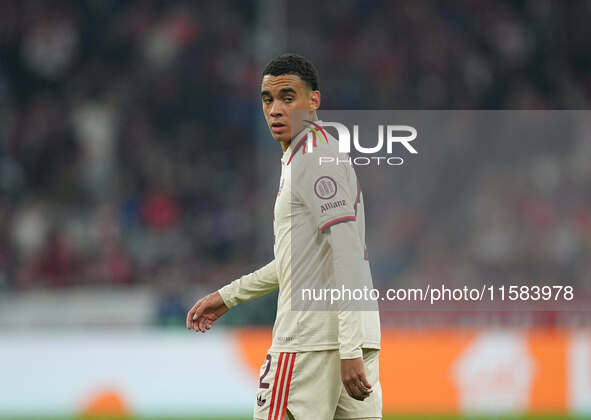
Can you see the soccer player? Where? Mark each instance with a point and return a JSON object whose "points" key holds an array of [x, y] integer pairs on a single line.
{"points": [[322, 364]]}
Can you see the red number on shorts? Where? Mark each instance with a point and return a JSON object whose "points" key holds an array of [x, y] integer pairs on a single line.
{"points": [[262, 384]]}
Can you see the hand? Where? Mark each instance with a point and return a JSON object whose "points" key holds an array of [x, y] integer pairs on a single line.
{"points": [[205, 312], [354, 380]]}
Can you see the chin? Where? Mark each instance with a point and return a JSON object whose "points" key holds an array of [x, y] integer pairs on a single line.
{"points": [[280, 137]]}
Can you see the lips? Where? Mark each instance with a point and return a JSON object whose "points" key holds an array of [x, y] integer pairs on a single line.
{"points": [[277, 126]]}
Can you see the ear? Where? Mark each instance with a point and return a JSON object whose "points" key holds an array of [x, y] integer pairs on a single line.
{"points": [[314, 100]]}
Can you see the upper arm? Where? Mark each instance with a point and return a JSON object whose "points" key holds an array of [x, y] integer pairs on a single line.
{"points": [[329, 191]]}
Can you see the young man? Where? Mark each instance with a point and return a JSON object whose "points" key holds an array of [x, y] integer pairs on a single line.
{"points": [[322, 364]]}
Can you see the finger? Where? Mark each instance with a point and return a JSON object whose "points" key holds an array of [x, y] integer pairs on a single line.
{"points": [[195, 326], [361, 394], [191, 312], [202, 324], [190, 316], [196, 323], [205, 327], [199, 308], [350, 391], [362, 391], [363, 380], [207, 322], [202, 306], [354, 392], [357, 396]]}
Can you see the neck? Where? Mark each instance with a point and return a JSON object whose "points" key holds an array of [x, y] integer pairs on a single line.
{"points": [[285, 144]]}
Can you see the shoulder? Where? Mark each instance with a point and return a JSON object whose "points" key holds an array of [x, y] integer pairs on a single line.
{"points": [[316, 149]]}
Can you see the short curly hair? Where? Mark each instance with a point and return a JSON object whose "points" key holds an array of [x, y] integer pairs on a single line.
{"points": [[293, 64]]}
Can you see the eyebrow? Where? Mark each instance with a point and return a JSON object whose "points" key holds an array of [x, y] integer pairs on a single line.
{"points": [[282, 91]]}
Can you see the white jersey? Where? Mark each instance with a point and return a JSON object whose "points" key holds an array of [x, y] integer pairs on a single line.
{"points": [[311, 199]]}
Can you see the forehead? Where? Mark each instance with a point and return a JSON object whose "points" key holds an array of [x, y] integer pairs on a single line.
{"points": [[274, 84]]}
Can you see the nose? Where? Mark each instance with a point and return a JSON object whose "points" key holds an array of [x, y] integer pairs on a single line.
{"points": [[276, 111]]}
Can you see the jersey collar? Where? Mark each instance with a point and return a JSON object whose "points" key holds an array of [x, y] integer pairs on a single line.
{"points": [[297, 142], [288, 152]]}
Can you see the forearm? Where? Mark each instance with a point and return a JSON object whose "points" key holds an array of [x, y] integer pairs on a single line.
{"points": [[347, 259], [250, 286]]}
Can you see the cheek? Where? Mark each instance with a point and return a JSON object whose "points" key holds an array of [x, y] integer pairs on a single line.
{"points": [[301, 105]]}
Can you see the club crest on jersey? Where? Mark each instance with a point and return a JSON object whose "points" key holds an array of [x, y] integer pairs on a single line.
{"points": [[281, 187], [325, 188]]}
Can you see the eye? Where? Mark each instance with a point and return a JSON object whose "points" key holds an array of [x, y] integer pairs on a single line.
{"points": [[288, 99], [267, 100]]}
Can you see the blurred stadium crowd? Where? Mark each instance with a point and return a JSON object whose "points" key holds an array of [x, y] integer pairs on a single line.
{"points": [[124, 127], [495, 207]]}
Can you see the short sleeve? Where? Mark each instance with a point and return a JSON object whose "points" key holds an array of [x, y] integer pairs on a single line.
{"points": [[327, 190]]}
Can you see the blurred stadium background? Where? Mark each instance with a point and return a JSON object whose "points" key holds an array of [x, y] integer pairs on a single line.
{"points": [[134, 178]]}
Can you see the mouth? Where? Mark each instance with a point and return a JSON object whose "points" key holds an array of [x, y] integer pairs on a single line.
{"points": [[277, 127]]}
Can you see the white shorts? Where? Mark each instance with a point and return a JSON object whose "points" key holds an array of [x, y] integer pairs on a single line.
{"points": [[307, 385]]}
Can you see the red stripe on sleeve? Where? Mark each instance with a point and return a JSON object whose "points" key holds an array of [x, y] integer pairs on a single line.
{"points": [[335, 221]]}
